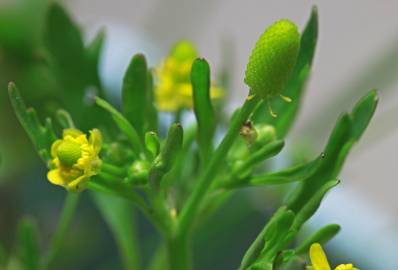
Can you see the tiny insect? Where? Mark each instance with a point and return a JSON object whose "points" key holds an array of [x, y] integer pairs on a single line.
{"points": [[272, 61]]}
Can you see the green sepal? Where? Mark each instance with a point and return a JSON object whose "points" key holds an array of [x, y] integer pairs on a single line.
{"points": [[203, 109], [134, 93], [123, 124], [322, 236], [168, 154], [296, 85], [41, 136], [27, 247]]}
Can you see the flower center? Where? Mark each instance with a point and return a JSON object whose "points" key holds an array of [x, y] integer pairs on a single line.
{"points": [[68, 153]]}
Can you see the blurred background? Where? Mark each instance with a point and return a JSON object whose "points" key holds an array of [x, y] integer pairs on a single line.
{"points": [[357, 50]]}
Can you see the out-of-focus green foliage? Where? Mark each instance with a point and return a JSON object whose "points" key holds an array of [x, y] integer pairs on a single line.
{"points": [[175, 181]]}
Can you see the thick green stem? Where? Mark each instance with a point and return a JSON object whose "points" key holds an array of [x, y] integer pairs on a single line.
{"points": [[63, 225], [179, 253], [189, 212]]}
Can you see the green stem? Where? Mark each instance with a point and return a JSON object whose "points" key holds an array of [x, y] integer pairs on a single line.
{"points": [[113, 170], [179, 257], [192, 206], [58, 238]]}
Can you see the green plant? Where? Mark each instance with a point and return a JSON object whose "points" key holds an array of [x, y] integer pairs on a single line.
{"points": [[157, 174]]}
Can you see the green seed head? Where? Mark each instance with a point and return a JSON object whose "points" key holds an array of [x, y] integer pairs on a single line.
{"points": [[68, 153], [272, 59]]}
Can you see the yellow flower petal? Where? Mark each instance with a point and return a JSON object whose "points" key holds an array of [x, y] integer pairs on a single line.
{"points": [[318, 257], [54, 176], [71, 132], [346, 267]]}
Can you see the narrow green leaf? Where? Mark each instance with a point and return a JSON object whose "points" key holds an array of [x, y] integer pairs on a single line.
{"points": [[293, 174], [322, 237], [295, 88], [134, 93], [123, 124], [118, 214], [41, 137], [27, 244], [313, 204], [362, 113], [204, 113], [92, 56], [151, 113]]}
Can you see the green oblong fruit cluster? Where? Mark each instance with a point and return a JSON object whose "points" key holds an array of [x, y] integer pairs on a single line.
{"points": [[272, 59]]}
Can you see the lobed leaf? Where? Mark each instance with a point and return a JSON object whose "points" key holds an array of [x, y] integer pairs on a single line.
{"points": [[345, 134], [41, 136]]}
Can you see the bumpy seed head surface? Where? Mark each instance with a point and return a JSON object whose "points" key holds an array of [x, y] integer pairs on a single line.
{"points": [[273, 58]]}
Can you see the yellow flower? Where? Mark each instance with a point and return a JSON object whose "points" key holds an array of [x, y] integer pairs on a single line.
{"points": [[173, 88], [75, 159], [319, 260]]}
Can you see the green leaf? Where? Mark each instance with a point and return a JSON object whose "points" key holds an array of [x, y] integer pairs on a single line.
{"points": [[256, 247], [124, 125], [294, 174], [118, 214], [151, 111], [346, 133], [204, 113], [92, 55], [64, 42], [134, 93], [322, 237], [309, 209], [295, 88], [41, 136], [168, 154], [362, 114], [27, 244]]}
